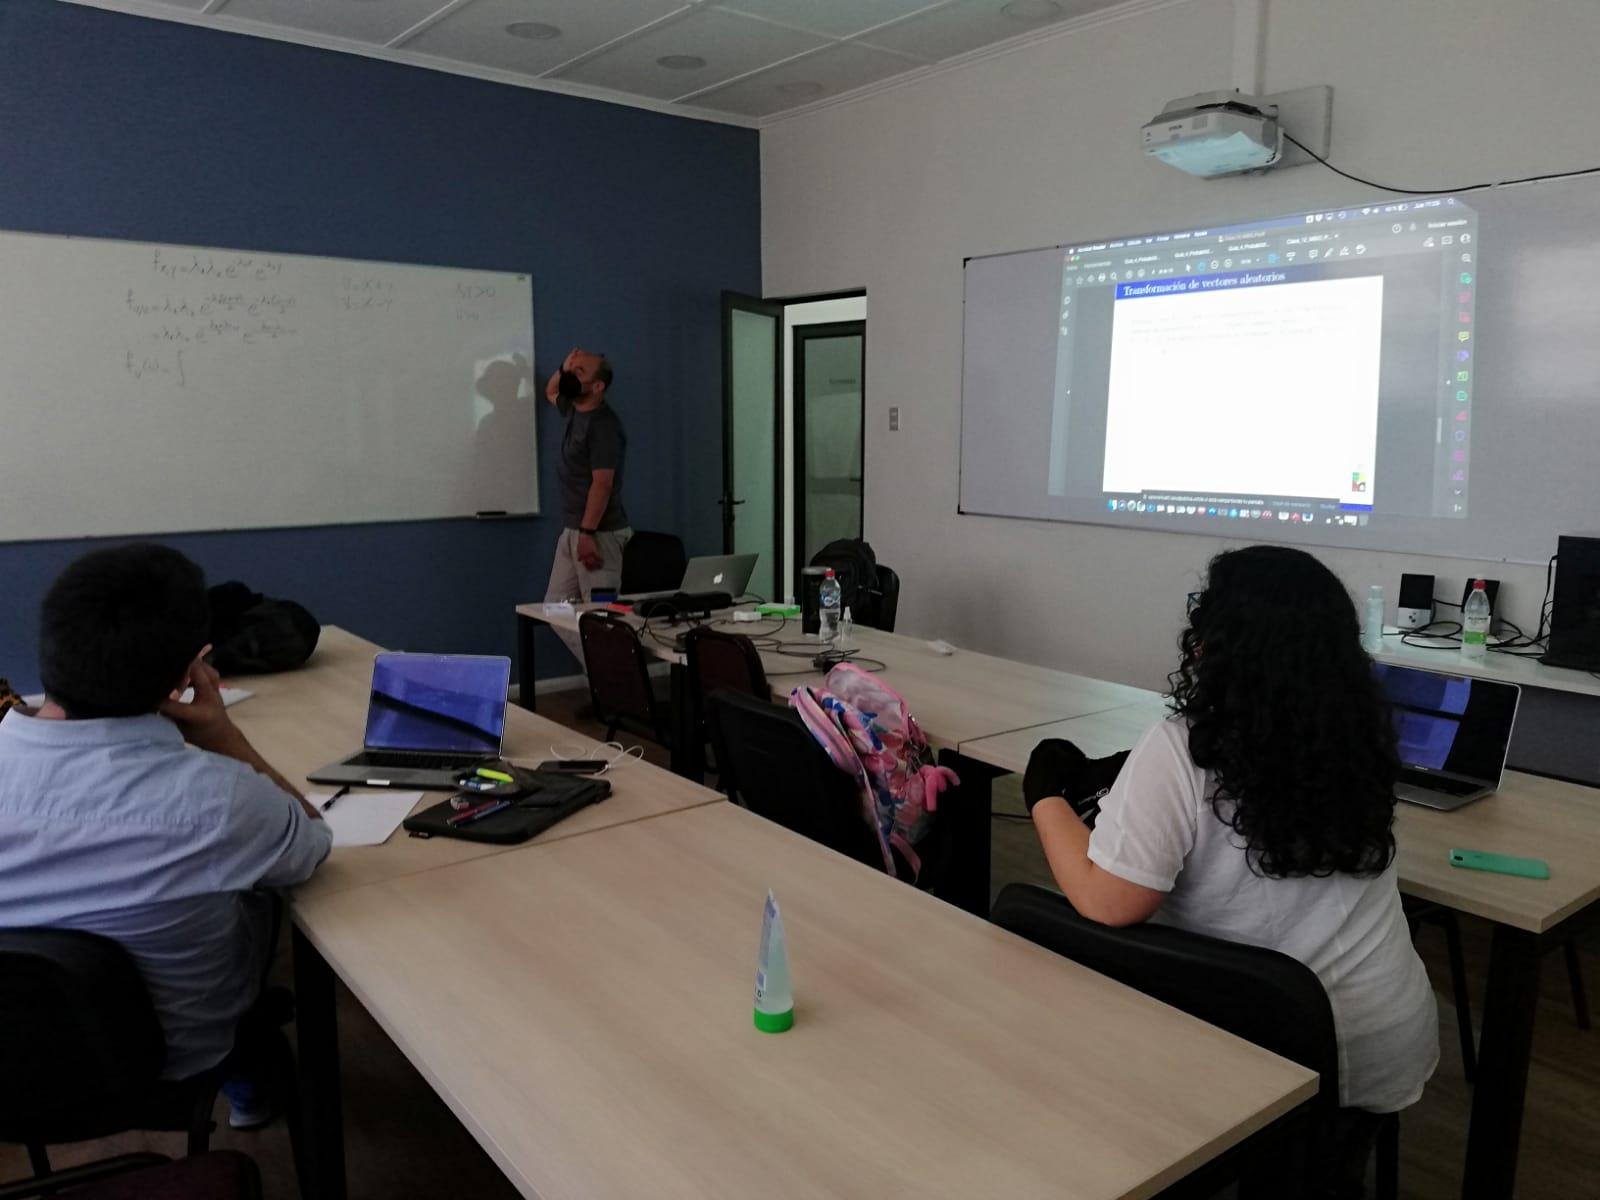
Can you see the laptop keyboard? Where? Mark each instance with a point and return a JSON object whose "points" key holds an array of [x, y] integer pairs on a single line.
{"points": [[415, 762], [1440, 783]]}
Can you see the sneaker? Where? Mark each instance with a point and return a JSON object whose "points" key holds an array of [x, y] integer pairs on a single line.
{"points": [[249, 1106]]}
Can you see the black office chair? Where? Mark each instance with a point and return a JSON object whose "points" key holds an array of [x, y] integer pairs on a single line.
{"points": [[81, 1054], [714, 661], [887, 600], [619, 677], [772, 765], [1421, 912], [1257, 994], [652, 562]]}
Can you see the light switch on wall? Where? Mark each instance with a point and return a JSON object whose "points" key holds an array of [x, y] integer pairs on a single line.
{"points": [[894, 418]]}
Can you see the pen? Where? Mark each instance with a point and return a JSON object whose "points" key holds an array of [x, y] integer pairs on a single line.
{"points": [[501, 776], [473, 814], [331, 799]]}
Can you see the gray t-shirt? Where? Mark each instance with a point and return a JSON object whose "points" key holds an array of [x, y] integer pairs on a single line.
{"points": [[591, 441]]}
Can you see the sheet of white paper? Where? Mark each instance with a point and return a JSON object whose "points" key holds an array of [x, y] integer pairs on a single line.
{"points": [[365, 818], [230, 697]]}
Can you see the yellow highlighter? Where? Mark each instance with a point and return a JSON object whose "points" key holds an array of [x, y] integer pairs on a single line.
{"points": [[498, 776]]}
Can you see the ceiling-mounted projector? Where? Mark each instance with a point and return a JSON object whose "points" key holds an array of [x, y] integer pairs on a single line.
{"points": [[1216, 133]]}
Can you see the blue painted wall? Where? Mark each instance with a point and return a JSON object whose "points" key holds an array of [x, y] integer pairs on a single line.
{"points": [[630, 222]]}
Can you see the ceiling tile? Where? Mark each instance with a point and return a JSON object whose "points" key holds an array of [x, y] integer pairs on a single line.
{"points": [[730, 44], [360, 20], [836, 18], [969, 24], [477, 33], [828, 72]]}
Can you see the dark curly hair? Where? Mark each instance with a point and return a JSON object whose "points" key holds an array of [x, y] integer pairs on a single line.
{"points": [[1284, 711]]}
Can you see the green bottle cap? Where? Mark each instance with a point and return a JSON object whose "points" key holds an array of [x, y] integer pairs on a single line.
{"points": [[774, 1022]]}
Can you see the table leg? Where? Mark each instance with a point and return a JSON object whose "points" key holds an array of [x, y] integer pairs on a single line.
{"points": [[317, 1027], [686, 749], [527, 683], [967, 884], [1503, 1052]]}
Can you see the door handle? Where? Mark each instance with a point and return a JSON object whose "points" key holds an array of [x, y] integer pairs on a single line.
{"points": [[728, 501]]}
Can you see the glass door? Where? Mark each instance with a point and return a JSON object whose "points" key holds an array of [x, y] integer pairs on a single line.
{"points": [[829, 414], [752, 449]]}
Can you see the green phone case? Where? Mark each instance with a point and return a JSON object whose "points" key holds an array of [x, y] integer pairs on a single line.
{"points": [[1501, 864]]}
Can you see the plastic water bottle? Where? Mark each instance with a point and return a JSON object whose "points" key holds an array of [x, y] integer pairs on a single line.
{"points": [[829, 597], [1372, 629], [1475, 617], [846, 628]]}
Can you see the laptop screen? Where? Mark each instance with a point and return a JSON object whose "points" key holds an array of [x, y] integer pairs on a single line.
{"points": [[1450, 723], [438, 702]]}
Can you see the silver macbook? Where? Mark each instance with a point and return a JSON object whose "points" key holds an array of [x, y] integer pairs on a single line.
{"points": [[728, 573], [430, 717], [1454, 733]]}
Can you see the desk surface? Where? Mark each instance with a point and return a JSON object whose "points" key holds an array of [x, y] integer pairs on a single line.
{"points": [[953, 697], [301, 720], [1529, 817], [1508, 668], [585, 1011]]}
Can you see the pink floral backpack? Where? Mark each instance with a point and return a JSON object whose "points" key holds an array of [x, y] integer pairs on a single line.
{"points": [[863, 725]]}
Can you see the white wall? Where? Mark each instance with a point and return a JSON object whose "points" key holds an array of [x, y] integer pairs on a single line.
{"points": [[1040, 146], [811, 312]]}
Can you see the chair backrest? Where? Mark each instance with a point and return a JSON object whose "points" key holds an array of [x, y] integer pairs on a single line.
{"points": [[772, 765], [888, 601], [652, 562], [618, 669], [1260, 995], [80, 1044]]}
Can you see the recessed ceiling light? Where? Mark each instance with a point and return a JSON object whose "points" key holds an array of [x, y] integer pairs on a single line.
{"points": [[681, 62], [1031, 10], [801, 88], [533, 31]]}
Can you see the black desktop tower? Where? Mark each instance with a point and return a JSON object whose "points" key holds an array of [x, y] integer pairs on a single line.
{"points": [[1575, 607]]}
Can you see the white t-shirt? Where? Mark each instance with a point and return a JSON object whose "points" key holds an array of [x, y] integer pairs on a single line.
{"points": [[1157, 829]]}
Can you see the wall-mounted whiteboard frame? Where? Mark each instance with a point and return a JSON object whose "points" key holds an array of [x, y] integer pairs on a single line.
{"points": [[157, 388]]}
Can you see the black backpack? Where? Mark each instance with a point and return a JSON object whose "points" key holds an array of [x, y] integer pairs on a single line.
{"points": [[254, 635], [855, 566]]}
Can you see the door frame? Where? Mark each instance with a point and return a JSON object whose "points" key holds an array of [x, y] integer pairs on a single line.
{"points": [[801, 335], [739, 302]]}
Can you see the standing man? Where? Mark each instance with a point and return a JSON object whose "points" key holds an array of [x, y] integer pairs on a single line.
{"points": [[594, 527]]}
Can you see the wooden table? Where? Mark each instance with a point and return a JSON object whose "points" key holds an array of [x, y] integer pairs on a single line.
{"points": [[305, 719], [584, 1008], [957, 697], [1530, 816]]}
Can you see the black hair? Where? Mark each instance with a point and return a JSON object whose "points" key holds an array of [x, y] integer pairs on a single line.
{"points": [[1284, 711], [118, 628], [602, 372]]}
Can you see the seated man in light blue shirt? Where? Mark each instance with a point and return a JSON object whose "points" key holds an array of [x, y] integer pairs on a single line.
{"points": [[151, 821]]}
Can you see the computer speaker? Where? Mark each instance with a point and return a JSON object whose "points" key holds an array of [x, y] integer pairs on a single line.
{"points": [[1415, 607]]}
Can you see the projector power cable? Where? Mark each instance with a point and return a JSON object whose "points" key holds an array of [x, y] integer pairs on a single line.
{"points": [[1476, 187]]}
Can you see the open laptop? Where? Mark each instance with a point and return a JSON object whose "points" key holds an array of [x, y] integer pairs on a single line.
{"points": [[728, 573], [1454, 733], [430, 717]]}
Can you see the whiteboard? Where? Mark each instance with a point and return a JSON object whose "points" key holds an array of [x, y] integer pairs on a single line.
{"points": [[151, 388], [1536, 378]]}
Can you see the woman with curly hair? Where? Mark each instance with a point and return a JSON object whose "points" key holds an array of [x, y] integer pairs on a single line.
{"points": [[1261, 812]]}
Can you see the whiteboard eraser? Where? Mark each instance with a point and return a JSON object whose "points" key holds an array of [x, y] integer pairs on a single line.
{"points": [[941, 647], [746, 615]]}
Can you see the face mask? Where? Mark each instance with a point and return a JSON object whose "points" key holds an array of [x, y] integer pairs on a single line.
{"points": [[569, 386]]}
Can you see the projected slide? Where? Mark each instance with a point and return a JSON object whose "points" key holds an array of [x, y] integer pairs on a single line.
{"points": [[1175, 390], [1309, 369]]}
